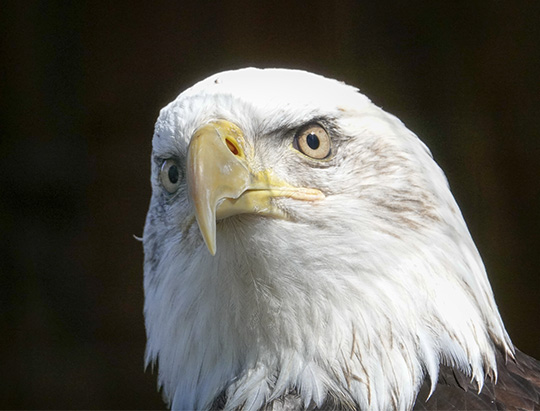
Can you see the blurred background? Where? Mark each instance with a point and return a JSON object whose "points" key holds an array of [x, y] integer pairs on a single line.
{"points": [[81, 87]]}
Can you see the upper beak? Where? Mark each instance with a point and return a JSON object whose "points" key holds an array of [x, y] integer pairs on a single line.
{"points": [[221, 181]]}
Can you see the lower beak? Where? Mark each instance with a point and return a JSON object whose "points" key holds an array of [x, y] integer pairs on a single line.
{"points": [[221, 182]]}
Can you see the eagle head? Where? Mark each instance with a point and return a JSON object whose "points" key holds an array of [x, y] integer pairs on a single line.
{"points": [[302, 241]]}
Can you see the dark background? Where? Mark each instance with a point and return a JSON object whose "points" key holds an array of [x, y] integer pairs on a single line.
{"points": [[81, 87]]}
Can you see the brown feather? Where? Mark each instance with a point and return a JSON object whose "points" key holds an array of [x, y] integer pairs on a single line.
{"points": [[517, 388]]}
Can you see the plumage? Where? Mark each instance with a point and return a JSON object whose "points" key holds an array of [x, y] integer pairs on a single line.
{"points": [[303, 250]]}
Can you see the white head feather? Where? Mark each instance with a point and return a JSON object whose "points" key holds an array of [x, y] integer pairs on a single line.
{"points": [[359, 296]]}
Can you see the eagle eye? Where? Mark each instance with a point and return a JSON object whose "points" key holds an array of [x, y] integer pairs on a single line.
{"points": [[170, 175], [313, 141]]}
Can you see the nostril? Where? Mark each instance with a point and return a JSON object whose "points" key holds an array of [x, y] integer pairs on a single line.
{"points": [[232, 146]]}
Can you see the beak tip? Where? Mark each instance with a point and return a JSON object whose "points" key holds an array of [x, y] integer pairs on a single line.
{"points": [[211, 249], [208, 230], [207, 227]]}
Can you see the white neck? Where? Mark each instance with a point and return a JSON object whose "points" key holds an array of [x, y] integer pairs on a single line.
{"points": [[256, 321]]}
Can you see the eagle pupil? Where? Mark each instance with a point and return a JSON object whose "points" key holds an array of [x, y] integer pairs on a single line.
{"points": [[312, 141], [173, 174]]}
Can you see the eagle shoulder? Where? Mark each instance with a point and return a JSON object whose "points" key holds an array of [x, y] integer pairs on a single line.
{"points": [[517, 388]]}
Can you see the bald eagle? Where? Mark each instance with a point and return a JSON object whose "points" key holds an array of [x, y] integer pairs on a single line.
{"points": [[303, 251]]}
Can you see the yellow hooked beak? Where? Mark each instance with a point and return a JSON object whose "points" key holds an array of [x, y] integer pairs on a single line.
{"points": [[221, 182]]}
